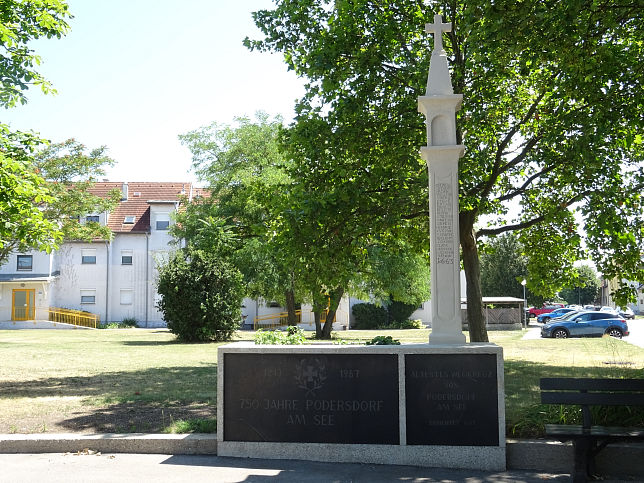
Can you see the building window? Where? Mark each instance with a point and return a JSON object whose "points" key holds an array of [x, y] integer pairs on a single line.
{"points": [[88, 296], [91, 219], [127, 296], [128, 220], [162, 221], [88, 256], [25, 262], [126, 257]]}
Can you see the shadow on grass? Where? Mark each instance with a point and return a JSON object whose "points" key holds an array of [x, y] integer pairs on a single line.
{"points": [[141, 401], [192, 384], [137, 417]]}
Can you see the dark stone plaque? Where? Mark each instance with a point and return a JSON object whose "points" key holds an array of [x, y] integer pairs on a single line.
{"points": [[452, 399], [312, 398]]}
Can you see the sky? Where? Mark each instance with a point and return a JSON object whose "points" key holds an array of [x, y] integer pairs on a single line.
{"points": [[134, 74]]}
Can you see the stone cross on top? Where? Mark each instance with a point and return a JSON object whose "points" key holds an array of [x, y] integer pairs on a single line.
{"points": [[437, 28]]}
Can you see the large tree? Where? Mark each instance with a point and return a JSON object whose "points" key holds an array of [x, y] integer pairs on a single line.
{"points": [[503, 267], [284, 232], [23, 192], [243, 167], [551, 120]]}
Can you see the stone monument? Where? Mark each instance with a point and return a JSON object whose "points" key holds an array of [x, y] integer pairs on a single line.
{"points": [[439, 404], [439, 106]]}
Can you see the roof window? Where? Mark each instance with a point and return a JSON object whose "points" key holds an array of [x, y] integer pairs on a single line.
{"points": [[129, 220]]}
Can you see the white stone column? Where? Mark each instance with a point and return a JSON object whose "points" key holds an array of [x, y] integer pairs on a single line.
{"points": [[442, 153]]}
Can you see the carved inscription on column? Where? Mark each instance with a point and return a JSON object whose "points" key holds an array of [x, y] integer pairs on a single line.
{"points": [[311, 398], [443, 241], [452, 399]]}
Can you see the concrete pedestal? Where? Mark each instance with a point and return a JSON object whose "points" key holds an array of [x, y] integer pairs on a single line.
{"points": [[424, 405]]}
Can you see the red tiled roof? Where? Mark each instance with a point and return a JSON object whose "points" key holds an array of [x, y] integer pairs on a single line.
{"points": [[139, 194]]}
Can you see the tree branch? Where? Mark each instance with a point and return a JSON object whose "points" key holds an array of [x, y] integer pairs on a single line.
{"points": [[533, 221]]}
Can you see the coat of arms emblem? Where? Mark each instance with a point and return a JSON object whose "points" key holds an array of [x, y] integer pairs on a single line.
{"points": [[310, 374]]}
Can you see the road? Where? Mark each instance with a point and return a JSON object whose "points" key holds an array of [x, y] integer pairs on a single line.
{"points": [[636, 329]]}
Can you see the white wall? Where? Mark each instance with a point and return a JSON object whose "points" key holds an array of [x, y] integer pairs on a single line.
{"points": [[128, 282], [41, 264], [76, 278]]}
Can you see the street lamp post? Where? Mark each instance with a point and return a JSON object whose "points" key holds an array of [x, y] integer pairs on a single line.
{"points": [[525, 305]]}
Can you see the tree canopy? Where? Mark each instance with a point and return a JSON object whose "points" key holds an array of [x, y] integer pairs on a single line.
{"points": [[22, 21], [70, 170], [503, 267], [242, 165], [551, 121], [284, 230], [23, 224]]}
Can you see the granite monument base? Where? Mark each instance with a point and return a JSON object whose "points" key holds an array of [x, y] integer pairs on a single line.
{"points": [[438, 406]]}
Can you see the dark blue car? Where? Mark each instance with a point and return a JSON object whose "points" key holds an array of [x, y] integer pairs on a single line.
{"points": [[545, 318], [586, 324]]}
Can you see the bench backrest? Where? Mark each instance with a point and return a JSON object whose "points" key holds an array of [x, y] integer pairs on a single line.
{"points": [[604, 392], [592, 392]]}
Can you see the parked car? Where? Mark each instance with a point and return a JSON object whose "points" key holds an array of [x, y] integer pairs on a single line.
{"points": [[626, 313], [608, 309], [547, 308], [545, 318], [586, 324], [590, 307]]}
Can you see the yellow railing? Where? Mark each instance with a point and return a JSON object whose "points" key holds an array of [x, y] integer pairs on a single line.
{"points": [[281, 318], [73, 317]]}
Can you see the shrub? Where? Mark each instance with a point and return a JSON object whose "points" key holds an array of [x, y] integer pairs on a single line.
{"points": [[369, 316], [201, 296], [128, 322], [383, 340], [400, 312], [293, 336], [409, 324]]}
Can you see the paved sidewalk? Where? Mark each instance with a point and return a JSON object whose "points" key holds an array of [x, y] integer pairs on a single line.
{"points": [[532, 332], [141, 468]]}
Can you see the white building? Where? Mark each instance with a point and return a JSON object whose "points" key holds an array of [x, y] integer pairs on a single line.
{"points": [[114, 279]]}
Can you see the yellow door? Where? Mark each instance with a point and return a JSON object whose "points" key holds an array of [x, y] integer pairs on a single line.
{"points": [[23, 307]]}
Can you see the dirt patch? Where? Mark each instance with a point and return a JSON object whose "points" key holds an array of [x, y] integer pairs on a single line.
{"points": [[134, 417]]}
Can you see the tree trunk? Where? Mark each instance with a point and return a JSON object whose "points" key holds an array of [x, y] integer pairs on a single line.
{"points": [[334, 301], [290, 307], [318, 325], [475, 317]]}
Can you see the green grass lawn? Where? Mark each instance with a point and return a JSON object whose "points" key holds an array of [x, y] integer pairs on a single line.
{"points": [[130, 380]]}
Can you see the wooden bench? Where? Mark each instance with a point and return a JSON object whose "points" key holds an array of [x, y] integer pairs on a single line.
{"points": [[588, 439]]}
